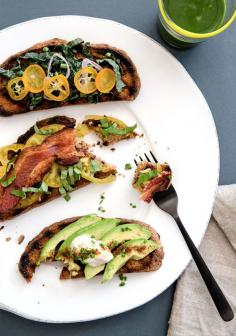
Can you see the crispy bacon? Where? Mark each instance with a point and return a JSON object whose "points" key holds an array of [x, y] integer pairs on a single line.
{"points": [[34, 162], [159, 183]]}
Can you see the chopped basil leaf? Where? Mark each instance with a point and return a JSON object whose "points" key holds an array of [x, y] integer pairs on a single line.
{"points": [[111, 128], [64, 194], [64, 174], [66, 185], [104, 123], [144, 177], [44, 187], [22, 192], [41, 131], [128, 166], [18, 193], [119, 83], [30, 189], [94, 166], [6, 183]]}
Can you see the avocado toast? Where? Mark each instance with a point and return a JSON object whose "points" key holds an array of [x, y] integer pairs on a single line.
{"points": [[92, 245], [46, 162], [59, 73]]}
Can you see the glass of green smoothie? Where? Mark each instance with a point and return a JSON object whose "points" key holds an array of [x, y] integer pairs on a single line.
{"points": [[184, 23]]}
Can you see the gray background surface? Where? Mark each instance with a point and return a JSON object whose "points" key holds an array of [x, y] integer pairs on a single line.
{"points": [[213, 67]]}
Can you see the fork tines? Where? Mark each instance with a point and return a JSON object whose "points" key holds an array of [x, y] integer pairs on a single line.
{"points": [[147, 157]]}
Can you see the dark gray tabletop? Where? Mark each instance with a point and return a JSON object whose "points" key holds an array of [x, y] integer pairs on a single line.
{"points": [[213, 67]]}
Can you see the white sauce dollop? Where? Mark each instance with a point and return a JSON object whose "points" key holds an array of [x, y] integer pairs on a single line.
{"points": [[102, 253]]}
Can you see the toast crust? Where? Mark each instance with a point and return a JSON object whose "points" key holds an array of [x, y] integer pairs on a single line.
{"points": [[130, 77], [28, 260]]}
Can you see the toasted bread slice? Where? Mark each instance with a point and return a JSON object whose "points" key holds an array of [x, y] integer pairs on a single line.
{"points": [[79, 149], [28, 260], [128, 71]]}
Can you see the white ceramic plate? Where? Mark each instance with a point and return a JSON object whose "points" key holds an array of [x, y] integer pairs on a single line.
{"points": [[178, 127]]}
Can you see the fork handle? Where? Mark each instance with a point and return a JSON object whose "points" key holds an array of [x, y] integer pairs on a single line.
{"points": [[216, 293]]}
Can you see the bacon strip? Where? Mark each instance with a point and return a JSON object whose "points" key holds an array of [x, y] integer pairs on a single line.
{"points": [[159, 183], [34, 162]]}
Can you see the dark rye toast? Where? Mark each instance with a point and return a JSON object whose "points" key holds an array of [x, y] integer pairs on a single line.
{"points": [[28, 260], [69, 124], [129, 76]]}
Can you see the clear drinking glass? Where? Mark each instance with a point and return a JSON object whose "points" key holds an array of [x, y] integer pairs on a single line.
{"points": [[181, 38]]}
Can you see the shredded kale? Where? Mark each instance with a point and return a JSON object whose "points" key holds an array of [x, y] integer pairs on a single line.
{"points": [[34, 99], [86, 50], [94, 98]]}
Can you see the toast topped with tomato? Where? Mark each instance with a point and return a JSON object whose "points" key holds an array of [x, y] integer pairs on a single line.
{"points": [[46, 162], [58, 73]]}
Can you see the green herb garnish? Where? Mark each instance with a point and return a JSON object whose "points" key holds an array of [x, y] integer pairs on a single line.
{"points": [[100, 208], [41, 131], [144, 177], [125, 229], [64, 194], [6, 182], [94, 166], [133, 205], [122, 284], [111, 128], [123, 254], [22, 193], [69, 177], [128, 166], [102, 197]]}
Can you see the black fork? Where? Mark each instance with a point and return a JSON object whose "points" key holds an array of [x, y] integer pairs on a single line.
{"points": [[168, 201]]}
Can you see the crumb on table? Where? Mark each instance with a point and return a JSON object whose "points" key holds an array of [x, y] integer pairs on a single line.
{"points": [[20, 239]]}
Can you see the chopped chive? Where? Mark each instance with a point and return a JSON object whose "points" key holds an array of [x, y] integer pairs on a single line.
{"points": [[122, 284]]}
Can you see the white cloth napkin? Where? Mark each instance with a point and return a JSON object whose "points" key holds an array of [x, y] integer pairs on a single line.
{"points": [[193, 312]]}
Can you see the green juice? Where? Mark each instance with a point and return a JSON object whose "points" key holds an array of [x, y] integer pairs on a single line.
{"points": [[196, 16]]}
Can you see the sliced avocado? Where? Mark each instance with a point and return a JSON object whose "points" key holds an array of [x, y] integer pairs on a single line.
{"points": [[48, 250], [97, 230], [90, 271], [133, 249], [117, 236], [125, 232]]}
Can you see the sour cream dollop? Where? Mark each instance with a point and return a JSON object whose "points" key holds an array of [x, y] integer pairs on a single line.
{"points": [[91, 251]]}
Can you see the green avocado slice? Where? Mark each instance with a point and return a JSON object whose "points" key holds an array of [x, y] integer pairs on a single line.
{"points": [[97, 230], [48, 250], [133, 249], [116, 236]]}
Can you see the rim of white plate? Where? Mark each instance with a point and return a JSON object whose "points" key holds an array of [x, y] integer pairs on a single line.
{"points": [[209, 114]]}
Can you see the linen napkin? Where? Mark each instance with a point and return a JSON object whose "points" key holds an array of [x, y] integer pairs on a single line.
{"points": [[193, 312]]}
